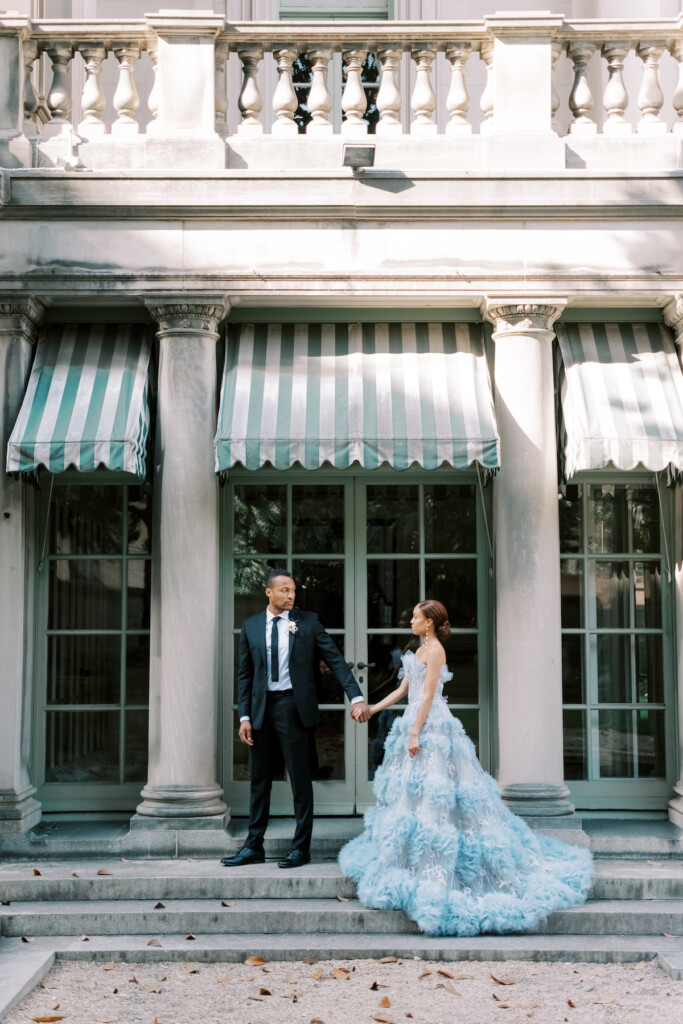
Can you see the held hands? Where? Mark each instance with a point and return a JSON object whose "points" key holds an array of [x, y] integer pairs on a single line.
{"points": [[414, 744], [245, 733], [360, 712]]}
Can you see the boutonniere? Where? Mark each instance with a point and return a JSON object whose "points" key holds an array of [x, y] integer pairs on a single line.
{"points": [[292, 627]]}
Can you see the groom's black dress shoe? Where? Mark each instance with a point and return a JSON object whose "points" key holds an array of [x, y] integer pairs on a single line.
{"points": [[245, 856], [295, 859]]}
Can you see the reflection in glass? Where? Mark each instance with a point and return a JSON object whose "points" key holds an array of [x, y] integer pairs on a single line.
{"points": [[572, 593], [85, 594], [137, 669], [83, 669], [320, 589], [572, 669], [649, 670], [607, 518], [393, 519], [137, 744], [615, 732], [614, 669], [86, 519], [450, 518], [645, 519], [260, 519], [139, 592], [462, 658], [454, 583], [328, 687], [318, 518], [470, 723], [651, 760], [140, 519], [82, 746], [575, 759], [612, 595], [249, 583], [393, 591], [384, 658], [326, 747], [379, 728], [571, 519], [647, 584]]}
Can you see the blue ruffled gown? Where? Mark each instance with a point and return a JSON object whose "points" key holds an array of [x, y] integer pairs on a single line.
{"points": [[441, 845]]}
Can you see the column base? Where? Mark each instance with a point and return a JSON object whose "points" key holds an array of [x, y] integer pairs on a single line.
{"points": [[180, 807], [538, 800], [676, 806], [145, 823], [19, 812]]}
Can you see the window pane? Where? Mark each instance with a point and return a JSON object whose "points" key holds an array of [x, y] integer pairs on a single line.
{"points": [[241, 771], [616, 744], [572, 669], [249, 587], [645, 518], [572, 593], [575, 760], [84, 670], [326, 746], [454, 583], [384, 655], [614, 669], [462, 657], [647, 583], [470, 723], [140, 520], [139, 592], [607, 518], [320, 588], [393, 592], [649, 672], [379, 728], [393, 519], [450, 518], [82, 746], [329, 689], [612, 595], [86, 519], [137, 744], [85, 594], [260, 519], [318, 519], [571, 519], [137, 670], [651, 761]]}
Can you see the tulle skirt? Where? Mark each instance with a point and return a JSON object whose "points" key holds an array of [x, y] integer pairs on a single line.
{"points": [[441, 845]]}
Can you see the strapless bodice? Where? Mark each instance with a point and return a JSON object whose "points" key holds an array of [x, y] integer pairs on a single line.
{"points": [[416, 672]]}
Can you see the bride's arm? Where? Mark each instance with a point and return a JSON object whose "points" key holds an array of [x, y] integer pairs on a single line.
{"points": [[435, 659], [394, 696]]}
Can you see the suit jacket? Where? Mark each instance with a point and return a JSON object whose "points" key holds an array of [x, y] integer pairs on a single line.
{"points": [[307, 648]]}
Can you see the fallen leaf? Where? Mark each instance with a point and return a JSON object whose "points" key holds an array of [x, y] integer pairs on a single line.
{"points": [[74, 874], [257, 999], [570, 1003], [374, 986], [104, 871], [317, 1020], [37, 873], [55, 1007], [384, 1018], [133, 981], [463, 977], [5, 903], [497, 998], [254, 961], [385, 1002], [159, 906], [343, 899], [157, 1021], [389, 960], [450, 988], [46, 1020], [110, 966], [190, 936], [498, 981], [424, 974], [189, 969], [409, 1015], [151, 988], [84, 938], [264, 992], [161, 977], [309, 960], [114, 991], [154, 942], [47, 985], [667, 936], [317, 975], [447, 974], [126, 861], [31, 938], [230, 904], [223, 980], [339, 973], [103, 1020], [655, 863]]}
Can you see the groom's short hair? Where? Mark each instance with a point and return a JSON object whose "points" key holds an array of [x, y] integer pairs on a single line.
{"points": [[275, 573]]}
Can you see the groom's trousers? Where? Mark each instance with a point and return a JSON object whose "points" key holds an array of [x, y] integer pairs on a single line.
{"points": [[283, 734]]}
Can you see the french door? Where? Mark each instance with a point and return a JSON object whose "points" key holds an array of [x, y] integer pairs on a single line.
{"points": [[363, 550]]}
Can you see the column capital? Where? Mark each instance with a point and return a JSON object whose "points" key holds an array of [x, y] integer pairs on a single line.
{"points": [[178, 318], [21, 316], [521, 316], [673, 315]]}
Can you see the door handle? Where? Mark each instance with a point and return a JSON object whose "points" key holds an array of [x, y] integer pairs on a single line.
{"points": [[361, 664], [349, 664]]}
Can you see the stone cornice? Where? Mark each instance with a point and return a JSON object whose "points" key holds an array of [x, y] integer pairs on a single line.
{"points": [[178, 318], [21, 316], [521, 316], [673, 315]]}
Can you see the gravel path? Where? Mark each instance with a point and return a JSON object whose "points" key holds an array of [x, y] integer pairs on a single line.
{"points": [[354, 992]]}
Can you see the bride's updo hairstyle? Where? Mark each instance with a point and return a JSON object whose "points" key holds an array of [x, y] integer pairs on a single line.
{"points": [[435, 611]]}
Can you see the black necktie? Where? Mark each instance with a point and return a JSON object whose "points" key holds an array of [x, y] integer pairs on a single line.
{"points": [[275, 652]]}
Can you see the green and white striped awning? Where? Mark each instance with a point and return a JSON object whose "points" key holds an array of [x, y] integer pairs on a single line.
{"points": [[86, 401], [365, 394], [621, 390]]}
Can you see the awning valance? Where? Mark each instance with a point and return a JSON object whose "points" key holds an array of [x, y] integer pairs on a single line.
{"points": [[370, 394], [86, 401], [622, 396]]}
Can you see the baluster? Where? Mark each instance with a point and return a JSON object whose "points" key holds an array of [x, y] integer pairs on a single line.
{"points": [[354, 100], [59, 97], [285, 101], [650, 97], [250, 102], [615, 100], [126, 99], [486, 101], [423, 100], [555, 53], [93, 100], [30, 98], [389, 95], [153, 98], [458, 100], [581, 98], [221, 90], [319, 99], [676, 51]]}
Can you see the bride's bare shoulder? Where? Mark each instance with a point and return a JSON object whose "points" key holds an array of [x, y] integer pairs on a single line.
{"points": [[436, 654]]}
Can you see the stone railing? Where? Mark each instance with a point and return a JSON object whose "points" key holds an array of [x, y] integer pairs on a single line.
{"points": [[186, 77]]}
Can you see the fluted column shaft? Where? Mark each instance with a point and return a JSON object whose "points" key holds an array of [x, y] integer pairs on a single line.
{"points": [[527, 560], [181, 790], [19, 810]]}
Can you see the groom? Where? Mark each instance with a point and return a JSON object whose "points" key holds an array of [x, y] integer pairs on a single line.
{"points": [[280, 650]]}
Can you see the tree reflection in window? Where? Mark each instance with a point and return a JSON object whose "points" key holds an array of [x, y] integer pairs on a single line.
{"points": [[302, 77]]}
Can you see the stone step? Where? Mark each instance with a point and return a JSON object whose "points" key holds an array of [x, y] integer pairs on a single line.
{"points": [[304, 916], [197, 880]]}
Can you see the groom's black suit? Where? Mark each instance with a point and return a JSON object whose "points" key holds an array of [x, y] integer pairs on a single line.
{"points": [[283, 718]]}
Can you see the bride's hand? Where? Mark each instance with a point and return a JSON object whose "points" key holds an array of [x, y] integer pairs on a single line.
{"points": [[413, 744]]}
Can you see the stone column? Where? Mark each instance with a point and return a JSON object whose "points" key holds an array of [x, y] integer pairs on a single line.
{"points": [[181, 791], [19, 320], [527, 562]]}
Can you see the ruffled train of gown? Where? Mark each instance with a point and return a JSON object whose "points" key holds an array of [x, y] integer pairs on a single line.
{"points": [[441, 845]]}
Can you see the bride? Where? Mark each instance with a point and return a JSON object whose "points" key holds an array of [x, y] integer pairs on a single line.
{"points": [[440, 844]]}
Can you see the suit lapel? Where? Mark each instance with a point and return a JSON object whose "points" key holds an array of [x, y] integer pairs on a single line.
{"points": [[261, 625], [293, 617]]}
